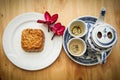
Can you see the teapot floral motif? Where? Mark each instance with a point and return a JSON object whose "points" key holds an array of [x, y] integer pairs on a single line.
{"points": [[102, 37]]}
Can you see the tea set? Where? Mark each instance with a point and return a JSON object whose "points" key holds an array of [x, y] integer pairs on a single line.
{"points": [[89, 40]]}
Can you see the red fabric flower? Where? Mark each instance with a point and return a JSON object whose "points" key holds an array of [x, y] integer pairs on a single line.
{"points": [[48, 19], [57, 29]]}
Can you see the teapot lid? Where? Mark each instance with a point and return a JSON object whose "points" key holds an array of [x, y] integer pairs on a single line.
{"points": [[104, 35]]}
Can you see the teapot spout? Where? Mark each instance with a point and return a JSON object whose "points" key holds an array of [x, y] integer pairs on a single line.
{"points": [[102, 57], [100, 20]]}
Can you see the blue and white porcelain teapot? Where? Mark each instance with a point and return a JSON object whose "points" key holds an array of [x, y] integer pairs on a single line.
{"points": [[102, 37]]}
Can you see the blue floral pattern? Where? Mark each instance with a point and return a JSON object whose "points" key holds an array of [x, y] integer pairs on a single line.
{"points": [[89, 58]]}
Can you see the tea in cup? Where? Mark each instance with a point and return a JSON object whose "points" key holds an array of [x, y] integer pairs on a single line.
{"points": [[76, 47], [77, 28]]}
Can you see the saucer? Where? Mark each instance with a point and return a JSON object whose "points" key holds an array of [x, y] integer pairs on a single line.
{"points": [[90, 57]]}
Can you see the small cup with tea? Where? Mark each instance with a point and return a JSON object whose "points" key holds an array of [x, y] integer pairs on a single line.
{"points": [[76, 47], [77, 28]]}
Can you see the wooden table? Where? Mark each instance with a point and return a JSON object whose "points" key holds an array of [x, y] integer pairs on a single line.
{"points": [[63, 68]]}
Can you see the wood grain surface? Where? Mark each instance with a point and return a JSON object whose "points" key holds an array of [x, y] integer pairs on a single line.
{"points": [[63, 68]]}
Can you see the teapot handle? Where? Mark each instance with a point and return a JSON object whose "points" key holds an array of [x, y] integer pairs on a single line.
{"points": [[100, 20]]}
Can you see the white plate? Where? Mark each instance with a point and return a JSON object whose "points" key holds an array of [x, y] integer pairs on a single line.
{"points": [[26, 60]]}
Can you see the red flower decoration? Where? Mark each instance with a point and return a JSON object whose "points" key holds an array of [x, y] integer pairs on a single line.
{"points": [[57, 29], [48, 19]]}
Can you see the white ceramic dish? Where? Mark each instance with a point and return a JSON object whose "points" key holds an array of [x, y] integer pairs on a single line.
{"points": [[26, 60]]}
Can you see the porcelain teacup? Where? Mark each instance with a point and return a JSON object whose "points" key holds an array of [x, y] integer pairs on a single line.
{"points": [[76, 47], [77, 28]]}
